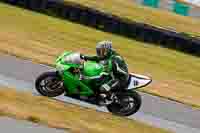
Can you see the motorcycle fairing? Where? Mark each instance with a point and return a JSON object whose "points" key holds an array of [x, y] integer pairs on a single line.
{"points": [[138, 81]]}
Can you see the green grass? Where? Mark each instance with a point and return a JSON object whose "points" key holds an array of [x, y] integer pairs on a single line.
{"points": [[160, 18], [42, 38], [65, 116]]}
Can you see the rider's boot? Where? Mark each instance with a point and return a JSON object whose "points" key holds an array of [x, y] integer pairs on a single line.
{"points": [[104, 100]]}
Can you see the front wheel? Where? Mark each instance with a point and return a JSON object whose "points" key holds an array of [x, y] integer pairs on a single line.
{"points": [[129, 103], [49, 84]]}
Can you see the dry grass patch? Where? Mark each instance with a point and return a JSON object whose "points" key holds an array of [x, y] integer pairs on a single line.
{"points": [[66, 116]]}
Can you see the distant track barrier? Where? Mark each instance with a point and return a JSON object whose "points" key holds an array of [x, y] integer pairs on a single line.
{"points": [[114, 24]]}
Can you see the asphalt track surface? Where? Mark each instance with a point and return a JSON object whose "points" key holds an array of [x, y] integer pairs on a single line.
{"points": [[155, 111], [8, 125]]}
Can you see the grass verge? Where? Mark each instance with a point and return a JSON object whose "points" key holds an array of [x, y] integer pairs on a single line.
{"points": [[42, 38], [69, 117]]}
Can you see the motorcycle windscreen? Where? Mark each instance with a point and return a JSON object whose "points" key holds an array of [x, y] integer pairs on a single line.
{"points": [[138, 81]]}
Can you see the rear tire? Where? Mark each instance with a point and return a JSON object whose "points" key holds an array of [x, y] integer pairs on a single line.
{"points": [[52, 84], [116, 108]]}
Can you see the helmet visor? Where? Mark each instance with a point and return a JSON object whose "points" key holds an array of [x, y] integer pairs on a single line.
{"points": [[102, 52]]}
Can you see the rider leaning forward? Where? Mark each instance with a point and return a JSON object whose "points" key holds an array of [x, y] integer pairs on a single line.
{"points": [[118, 71]]}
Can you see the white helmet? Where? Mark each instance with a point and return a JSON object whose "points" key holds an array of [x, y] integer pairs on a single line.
{"points": [[104, 48]]}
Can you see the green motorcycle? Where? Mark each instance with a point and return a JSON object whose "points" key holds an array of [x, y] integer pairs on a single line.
{"points": [[67, 79]]}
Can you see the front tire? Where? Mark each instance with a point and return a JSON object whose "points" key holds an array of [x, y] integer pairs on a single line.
{"points": [[124, 108], [49, 84]]}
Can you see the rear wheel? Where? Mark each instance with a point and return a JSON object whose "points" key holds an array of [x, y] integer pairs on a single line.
{"points": [[128, 104], [49, 84]]}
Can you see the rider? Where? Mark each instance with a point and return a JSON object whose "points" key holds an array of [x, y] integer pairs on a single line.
{"points": [[119, 69]]}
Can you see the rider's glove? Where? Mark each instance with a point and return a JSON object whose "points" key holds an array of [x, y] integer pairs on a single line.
{"points": [[82, 57]]}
